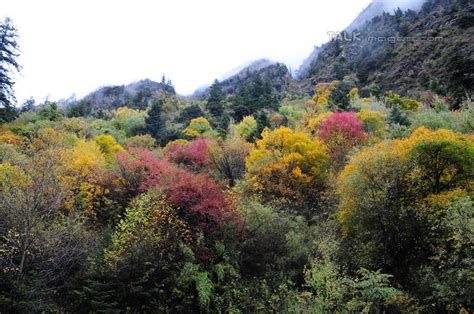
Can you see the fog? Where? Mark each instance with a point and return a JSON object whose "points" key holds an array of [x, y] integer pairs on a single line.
{"points": [[77, 46]]}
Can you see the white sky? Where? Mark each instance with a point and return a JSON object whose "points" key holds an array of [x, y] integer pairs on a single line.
{"points": [[77, 46]]}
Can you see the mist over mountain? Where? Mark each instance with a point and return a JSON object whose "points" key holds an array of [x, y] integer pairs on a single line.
{"points": [[377, 7], [404, 51], [248, 67], [137, 95], [239, 73], [402, 67]]}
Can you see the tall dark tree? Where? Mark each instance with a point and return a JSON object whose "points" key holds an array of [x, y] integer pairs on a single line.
{"points": [[398, 15], [397, 117], [8, 64], [254, 95], [155, 125], [167, 85], [50, 112], [215, 102], [262, 94], [461, 66], [339, 99], [28, 105], [262, 123], [189, 113]]}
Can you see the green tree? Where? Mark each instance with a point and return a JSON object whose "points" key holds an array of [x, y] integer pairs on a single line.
{"points": [[189, 113], [247, 128], [8, 64], [397, 117], [215, 102], [50, 112], [155, 125], [28, 105], [199, 127], [254, 95], [444, 164], [262, 123], [398, 15]]}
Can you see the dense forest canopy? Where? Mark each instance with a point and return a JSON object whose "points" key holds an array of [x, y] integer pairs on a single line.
{"points": [[350, 190]]}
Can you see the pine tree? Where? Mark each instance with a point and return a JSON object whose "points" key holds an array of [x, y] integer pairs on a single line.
{"points": [[28, 105], [8, 64], [254, 95], [50, 112], [398, 15], [397, 117], [262, 123], [155, 125], [216, 98], [189, 113]]}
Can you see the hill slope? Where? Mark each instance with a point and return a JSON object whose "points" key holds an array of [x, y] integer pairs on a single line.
{"points": [[277, 74], [407, 52], [136, 95]]}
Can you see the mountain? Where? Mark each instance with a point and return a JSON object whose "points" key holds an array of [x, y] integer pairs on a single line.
{"points": [[136, 95], [407, 52], [378, 7], [375, 8], [426, 47], [249, 67], [304, 68], [277, 74]]}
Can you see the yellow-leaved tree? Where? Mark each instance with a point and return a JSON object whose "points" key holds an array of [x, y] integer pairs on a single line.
{"points": [[199, 127], [84, 166], [288, 165], [247, 128], [108, 145], [387, 192], [318, 104], [373, 122]]}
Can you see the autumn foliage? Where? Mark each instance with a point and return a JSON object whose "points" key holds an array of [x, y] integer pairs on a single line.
{"points": [[387, 193], [196, 197], [342, 212], [194, 155], [287, 164], [340, 132], [137, 169]]}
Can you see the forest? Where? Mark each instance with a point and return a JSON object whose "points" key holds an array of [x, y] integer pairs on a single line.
{"points": [[253, 196]]}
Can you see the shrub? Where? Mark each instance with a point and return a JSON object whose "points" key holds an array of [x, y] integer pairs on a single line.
{"points": [[199, 127], [287, 164], [194, 154], [341, 132], [247, 128], [373, 122]]}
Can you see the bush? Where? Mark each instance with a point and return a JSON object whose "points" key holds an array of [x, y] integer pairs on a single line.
{"points": [[341, 132], [194, 154], [247, 128], [373, 122], [141, 141], [287, 164]]}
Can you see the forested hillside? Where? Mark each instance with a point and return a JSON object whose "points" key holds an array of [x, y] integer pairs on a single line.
{"points": [[348, 191], [406, 52]]}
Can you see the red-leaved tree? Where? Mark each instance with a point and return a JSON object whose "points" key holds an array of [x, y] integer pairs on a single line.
{"points": [[198, 198], [340, 132], [193, 155], [138, 168]]}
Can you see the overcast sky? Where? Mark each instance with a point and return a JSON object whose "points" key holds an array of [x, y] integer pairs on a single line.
{"points": [[74, 47]]}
